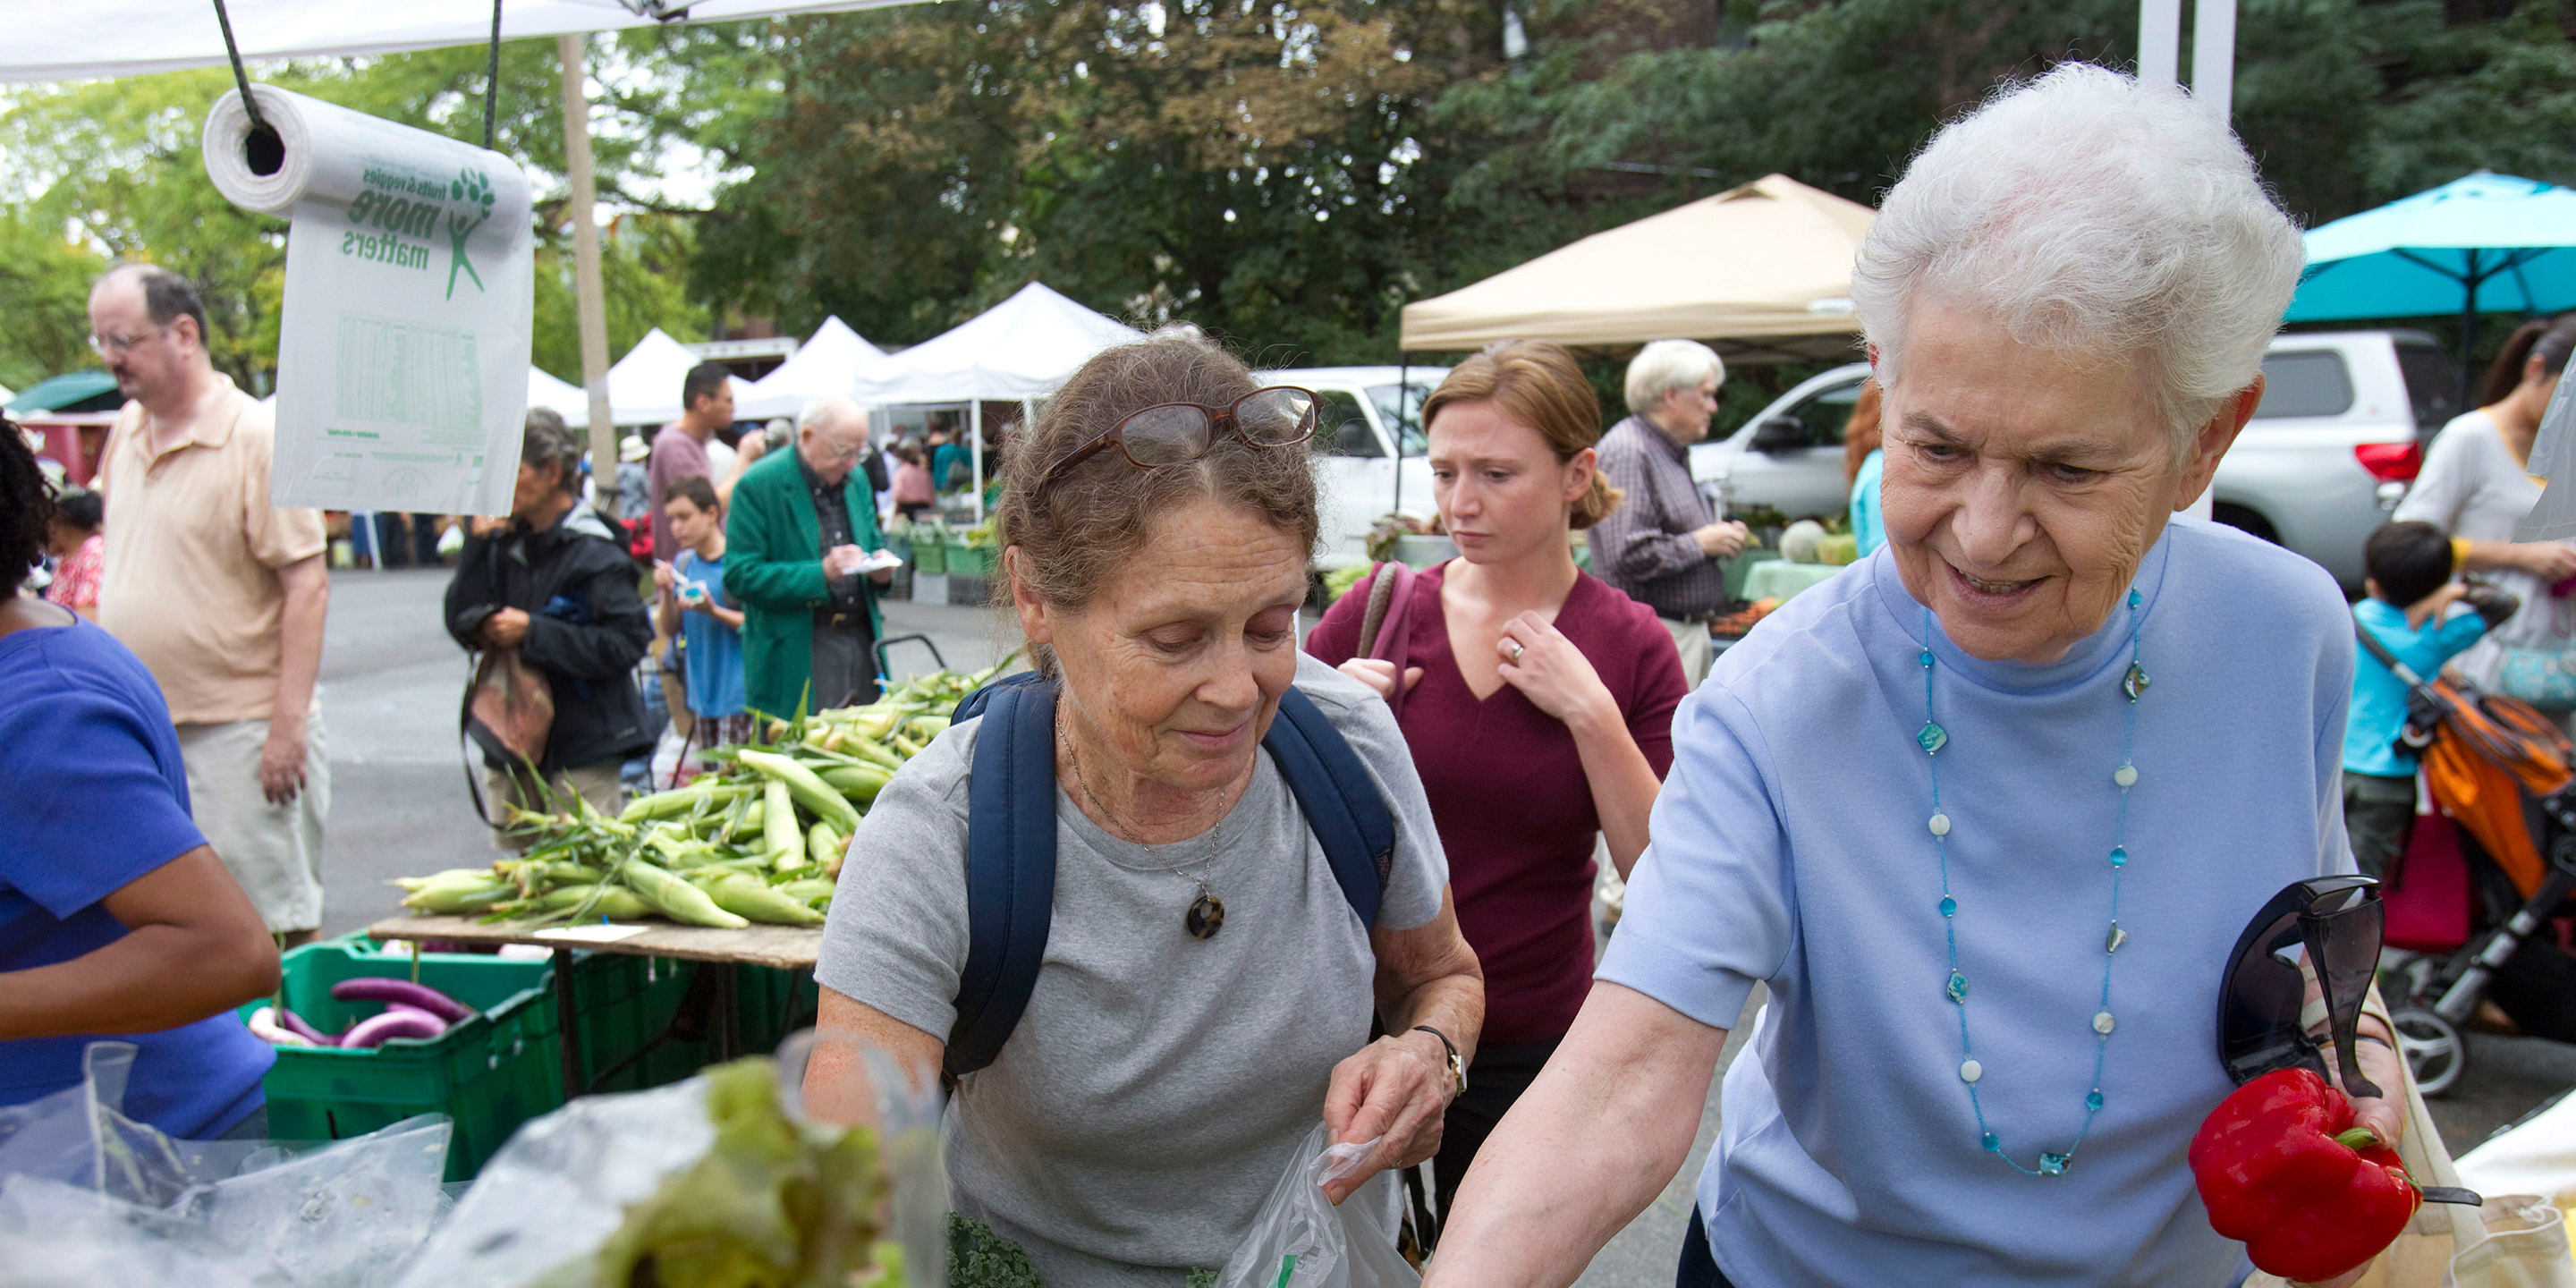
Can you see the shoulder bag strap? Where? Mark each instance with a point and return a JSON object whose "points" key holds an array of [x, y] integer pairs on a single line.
{"points": [[2405, 674], [1341, 802], [1010, 867]]}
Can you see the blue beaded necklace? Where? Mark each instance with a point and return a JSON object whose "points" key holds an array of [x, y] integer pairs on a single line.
{"points": [[1932, 738]]}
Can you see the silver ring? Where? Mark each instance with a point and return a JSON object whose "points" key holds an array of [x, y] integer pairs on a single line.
{"points": [[1517, 650]]}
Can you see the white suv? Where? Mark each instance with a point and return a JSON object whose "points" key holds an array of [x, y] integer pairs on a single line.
{"points": [[2327, 456], [1355, 450]]}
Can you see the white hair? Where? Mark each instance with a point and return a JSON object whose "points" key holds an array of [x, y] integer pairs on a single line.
{"points": [[831, 409], [2093, 215], [1666, 365]]}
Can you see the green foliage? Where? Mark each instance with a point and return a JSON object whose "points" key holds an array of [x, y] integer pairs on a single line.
{"points": [[39, 271], [979, 1258]]}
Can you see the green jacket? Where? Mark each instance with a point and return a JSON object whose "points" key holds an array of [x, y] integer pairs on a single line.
{"points": [[774, 568]]}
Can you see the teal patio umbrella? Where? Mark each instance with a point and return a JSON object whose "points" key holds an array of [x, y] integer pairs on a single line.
{"points": [[2488, 243]]}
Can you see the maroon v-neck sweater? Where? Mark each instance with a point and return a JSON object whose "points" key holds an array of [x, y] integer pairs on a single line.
{"points": [[1508, 793]]}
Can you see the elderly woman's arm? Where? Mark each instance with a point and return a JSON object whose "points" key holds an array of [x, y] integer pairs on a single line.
{"points": [[1398, 1087], [837, 1086], [1591, 1143]]}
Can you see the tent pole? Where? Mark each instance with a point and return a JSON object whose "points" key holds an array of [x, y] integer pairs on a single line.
{"points": [[975, 452], [2469, 329], [1403, 374], [589, 298]]}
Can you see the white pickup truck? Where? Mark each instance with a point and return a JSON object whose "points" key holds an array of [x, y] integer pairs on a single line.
{"points": [[2328, 454]]}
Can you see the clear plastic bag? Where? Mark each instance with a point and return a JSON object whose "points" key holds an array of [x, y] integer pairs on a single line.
{"points": [[89, 1196], [1300, 1240]]}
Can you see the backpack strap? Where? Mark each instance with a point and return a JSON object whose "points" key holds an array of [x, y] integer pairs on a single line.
{"points": [[1010, 865], [1341, 802], [1011, 844]]}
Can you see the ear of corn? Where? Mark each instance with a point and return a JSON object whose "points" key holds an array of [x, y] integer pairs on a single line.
{"points": [[759, 839]]}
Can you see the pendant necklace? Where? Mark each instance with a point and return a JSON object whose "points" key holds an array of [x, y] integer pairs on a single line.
{"points": [[1932, 738], [1206, 914]]}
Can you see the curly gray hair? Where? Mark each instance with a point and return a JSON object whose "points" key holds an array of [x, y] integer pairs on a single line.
{"points": [[2091, 214], [546, 440]]}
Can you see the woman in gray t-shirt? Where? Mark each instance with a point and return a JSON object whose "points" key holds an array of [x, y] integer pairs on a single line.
{"points": [[1207, 991]]}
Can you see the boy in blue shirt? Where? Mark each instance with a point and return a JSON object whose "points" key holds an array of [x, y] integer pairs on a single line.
{"points": [[696, 608], [2417, 612]]}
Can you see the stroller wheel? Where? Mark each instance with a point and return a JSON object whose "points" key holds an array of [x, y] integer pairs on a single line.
{"points": [[2435, 1052]]}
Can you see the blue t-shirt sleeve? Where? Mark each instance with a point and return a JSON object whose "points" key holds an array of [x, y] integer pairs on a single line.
{"points": [[88, 809], [2461, 629], [1708, 907]]}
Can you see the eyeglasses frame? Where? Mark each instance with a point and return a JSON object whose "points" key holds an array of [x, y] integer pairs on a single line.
{"points": [[1220, 419]]}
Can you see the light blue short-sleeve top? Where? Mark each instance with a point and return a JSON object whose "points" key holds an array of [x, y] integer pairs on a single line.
{"points": [[1791, 847]]}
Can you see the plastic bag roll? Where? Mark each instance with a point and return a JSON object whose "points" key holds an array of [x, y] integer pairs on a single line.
{"points": [[402, 364]]}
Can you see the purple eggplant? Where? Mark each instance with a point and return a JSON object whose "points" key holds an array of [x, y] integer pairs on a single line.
{"points": [[375, 1031], [374, 988], [294, 1023]]}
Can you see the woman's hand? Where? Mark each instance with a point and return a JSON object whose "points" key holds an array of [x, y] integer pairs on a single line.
{"points": [[1547, 668], [2383, 1115], [1379, 675], [506, 628], [1397, 1088], [2550, 561]]}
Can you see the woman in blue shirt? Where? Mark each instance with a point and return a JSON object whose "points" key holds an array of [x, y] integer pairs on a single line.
{"points": [[1987, 812], [117, 922]]}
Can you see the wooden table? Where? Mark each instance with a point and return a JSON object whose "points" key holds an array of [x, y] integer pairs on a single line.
{"points": [[788, 948]]}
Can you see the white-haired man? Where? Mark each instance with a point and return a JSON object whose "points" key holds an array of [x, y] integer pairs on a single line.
{"points": [[221, 594], [798, 525], [1662, 543], [1987, 1046]]}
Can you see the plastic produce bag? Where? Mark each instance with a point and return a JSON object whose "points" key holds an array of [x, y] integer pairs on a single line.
{"points": [[711, 1180], [1300, 1240], [89, 1197]]}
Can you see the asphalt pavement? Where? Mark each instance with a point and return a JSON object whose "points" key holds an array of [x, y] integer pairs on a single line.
{"points": [[391, 680]]}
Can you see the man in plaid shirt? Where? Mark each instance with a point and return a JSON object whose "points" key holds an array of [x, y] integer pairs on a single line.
{"points": [[1662, 544]]}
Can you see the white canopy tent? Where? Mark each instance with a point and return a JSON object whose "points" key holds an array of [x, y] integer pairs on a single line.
{"points": [[99, 38], [830, 363], [1018, 350], [644, 386], [563, 397]]}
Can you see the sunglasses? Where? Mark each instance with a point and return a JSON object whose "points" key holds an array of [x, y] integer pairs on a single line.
{"points": [[2328, 928], [1179, 433]]}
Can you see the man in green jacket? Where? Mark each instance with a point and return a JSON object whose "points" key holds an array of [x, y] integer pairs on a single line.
{"points": [[799, 524]]}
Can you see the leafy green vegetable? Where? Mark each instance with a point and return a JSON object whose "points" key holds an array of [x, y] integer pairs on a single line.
{"points": [[979, 1258]]}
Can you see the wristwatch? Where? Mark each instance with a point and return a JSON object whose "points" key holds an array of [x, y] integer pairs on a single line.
{"points": [[1457, 1066]]}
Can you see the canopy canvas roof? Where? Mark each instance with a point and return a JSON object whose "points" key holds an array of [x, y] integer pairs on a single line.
{"points": [[644, 386], [1761, 272], [829, 363], [1021, 348], [2516, 238], [565, 398], [100, 38]]}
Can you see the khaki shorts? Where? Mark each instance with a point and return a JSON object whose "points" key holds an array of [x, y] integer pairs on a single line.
{"points": [[275, 851], [1698, 651]]}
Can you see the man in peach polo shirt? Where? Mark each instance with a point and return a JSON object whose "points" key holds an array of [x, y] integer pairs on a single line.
{"points": [[221, 595]]}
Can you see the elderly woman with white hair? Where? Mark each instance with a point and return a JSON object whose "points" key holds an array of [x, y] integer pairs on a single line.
{"points": [[1987, 811]]}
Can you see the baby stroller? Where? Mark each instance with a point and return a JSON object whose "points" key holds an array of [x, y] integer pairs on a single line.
{"points": [[2499, 853]]}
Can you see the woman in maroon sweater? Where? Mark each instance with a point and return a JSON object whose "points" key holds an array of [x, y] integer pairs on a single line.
{"points": [[1538, 704]]}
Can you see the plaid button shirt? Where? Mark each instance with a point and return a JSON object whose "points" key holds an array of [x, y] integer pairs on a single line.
{"points": [[1645, 546]]}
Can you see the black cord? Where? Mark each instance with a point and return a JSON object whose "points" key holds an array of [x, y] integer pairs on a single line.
{"points": [[491, 76], [242, 78]]}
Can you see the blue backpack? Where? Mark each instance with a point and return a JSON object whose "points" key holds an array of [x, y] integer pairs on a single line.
{"points": [[1010, 843]]}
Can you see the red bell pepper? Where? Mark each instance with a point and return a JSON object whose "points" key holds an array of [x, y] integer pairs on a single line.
{"points": [[2282, 1169]]}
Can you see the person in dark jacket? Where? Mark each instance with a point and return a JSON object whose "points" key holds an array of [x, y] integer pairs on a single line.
{"points": [[552, 581]]}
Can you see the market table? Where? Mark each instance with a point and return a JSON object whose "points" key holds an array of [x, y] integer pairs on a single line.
{"points": [[1781, 579], [787, 948]]}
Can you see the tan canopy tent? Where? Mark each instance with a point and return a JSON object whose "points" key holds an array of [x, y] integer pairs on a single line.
{"points": [[1762, 273]]}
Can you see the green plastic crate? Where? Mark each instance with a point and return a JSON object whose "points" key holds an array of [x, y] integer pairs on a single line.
{"points": [[489, 1073], [626, 1002], [971, 561], [929, 557]]}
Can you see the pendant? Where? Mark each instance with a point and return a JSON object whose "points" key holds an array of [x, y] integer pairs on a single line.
{"points": [[2135, 682], [1205, 918]]}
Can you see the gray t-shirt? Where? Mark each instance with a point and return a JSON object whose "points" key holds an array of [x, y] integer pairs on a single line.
{"points": [[1158, 1085]]}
